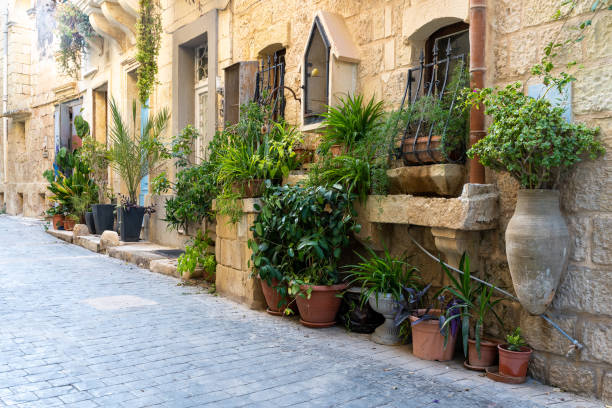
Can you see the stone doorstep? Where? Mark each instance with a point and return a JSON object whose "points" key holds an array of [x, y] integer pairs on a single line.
{"points": [[165, 267], [91, 242], [61, 234], [139, 253]]}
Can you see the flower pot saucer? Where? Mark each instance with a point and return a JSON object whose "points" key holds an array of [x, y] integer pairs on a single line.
{"points": [[274, 312], [317, 325], [476, 368], [494, 374]]}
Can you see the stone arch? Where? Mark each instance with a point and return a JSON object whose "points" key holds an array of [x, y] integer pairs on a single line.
{"points": [[421, 21]]}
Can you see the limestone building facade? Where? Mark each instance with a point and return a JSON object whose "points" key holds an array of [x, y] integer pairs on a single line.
{"points": [[372, 44]]}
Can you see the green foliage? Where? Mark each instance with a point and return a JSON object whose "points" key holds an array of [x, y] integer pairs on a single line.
{"points": [[254, 148], [195, 186], [73, 30], [515, 340], [197, 254], [299, 235], [362, 169], [135, 153], [441, 115], [95, 155], [351, 121], [148, 43], [472, 301], [383, 274], [529, 138], [72, 188]]}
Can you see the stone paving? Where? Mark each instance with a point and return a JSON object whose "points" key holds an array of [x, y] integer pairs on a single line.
{"points": [[79, 329]]}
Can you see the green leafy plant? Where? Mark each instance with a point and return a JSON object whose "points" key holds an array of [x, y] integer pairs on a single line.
{"points": [[74, 31], [471, 302], [197, 255], [515, 341], [351, 121], [95, 155], [148, 43], [383, 274], [134, 154], [529, 138], [299, 234]]}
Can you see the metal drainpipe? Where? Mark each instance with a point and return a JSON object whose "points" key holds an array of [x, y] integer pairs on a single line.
{"points": [[478, 27], [5, 92]]}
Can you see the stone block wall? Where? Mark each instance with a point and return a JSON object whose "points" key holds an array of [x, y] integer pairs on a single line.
{"points": [[233, 258]]}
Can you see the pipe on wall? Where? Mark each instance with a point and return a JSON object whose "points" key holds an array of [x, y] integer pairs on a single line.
{"points": [[5, 24], [478, 27]]}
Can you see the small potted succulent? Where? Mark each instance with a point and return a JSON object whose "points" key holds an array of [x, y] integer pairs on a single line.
{"points": [[472, 303], [382, 280], [514, 355]]}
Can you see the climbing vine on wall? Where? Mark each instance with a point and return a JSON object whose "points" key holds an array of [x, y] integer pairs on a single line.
{"points": [[73, 30], [149, 40]]}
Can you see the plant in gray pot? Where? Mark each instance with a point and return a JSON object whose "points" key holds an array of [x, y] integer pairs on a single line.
{"points": [[134, 154], [382, 280], [532, 141]]}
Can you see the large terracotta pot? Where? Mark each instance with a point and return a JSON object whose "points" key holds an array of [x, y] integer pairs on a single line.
{"points": [[321, 309], [514, 363], [277, 303], [488, 354], [58, 221], [537, 246], [427, 342]]}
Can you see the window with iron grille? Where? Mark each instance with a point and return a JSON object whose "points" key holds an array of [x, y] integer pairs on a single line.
{"points": [[432, 126], [270, 83]]}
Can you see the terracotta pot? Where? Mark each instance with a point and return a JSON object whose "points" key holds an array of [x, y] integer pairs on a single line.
{"points": [[69, 224], [58, 221], [420, 153], [321, 309], [488, 353], [336, 150], [514, 363], [427, 342], [249, 188], [537, 246], [277, 303]]}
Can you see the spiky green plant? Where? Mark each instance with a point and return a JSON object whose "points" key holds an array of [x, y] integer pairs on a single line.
{"points": [[137, 152]]}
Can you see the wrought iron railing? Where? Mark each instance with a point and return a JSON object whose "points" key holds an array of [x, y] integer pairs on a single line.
{"points": [[421, 140], [270, 85]]}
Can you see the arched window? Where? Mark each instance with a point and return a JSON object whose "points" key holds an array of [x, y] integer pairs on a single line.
{"points": [[316, 78]]}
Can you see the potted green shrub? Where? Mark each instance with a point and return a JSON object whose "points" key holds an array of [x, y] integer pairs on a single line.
{"points": [[531, 140], [134, 154], [514, 355], [470, 306], [383, 280], [198, 261], [70, 221]]}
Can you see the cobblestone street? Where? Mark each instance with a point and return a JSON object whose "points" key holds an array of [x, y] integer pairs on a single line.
{"points": [[79, 329]]}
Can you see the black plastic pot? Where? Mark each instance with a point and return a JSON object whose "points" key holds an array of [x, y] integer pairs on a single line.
{"points": [[104, 217], [357, 318], [130, 223], [89, 220]]}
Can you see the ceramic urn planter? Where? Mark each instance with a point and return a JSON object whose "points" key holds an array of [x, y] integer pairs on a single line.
{"points": [[537, 246], [387, 333]]}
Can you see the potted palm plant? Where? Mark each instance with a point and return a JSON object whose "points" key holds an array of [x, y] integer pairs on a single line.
{"points": [[134, 154], [382, 280], [531, 140], [472, 303]]}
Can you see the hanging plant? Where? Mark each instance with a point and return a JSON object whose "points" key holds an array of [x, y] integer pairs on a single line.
{"points": [[149, 40], [73, 30]]}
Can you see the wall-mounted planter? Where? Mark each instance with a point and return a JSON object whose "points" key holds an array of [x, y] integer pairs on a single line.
{"points": [[537, 246]]}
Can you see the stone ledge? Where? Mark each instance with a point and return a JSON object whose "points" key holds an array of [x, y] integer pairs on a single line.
{"points": [[91, 242], [61, 234], [439, 179], [474, 210], [139, 253]]}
